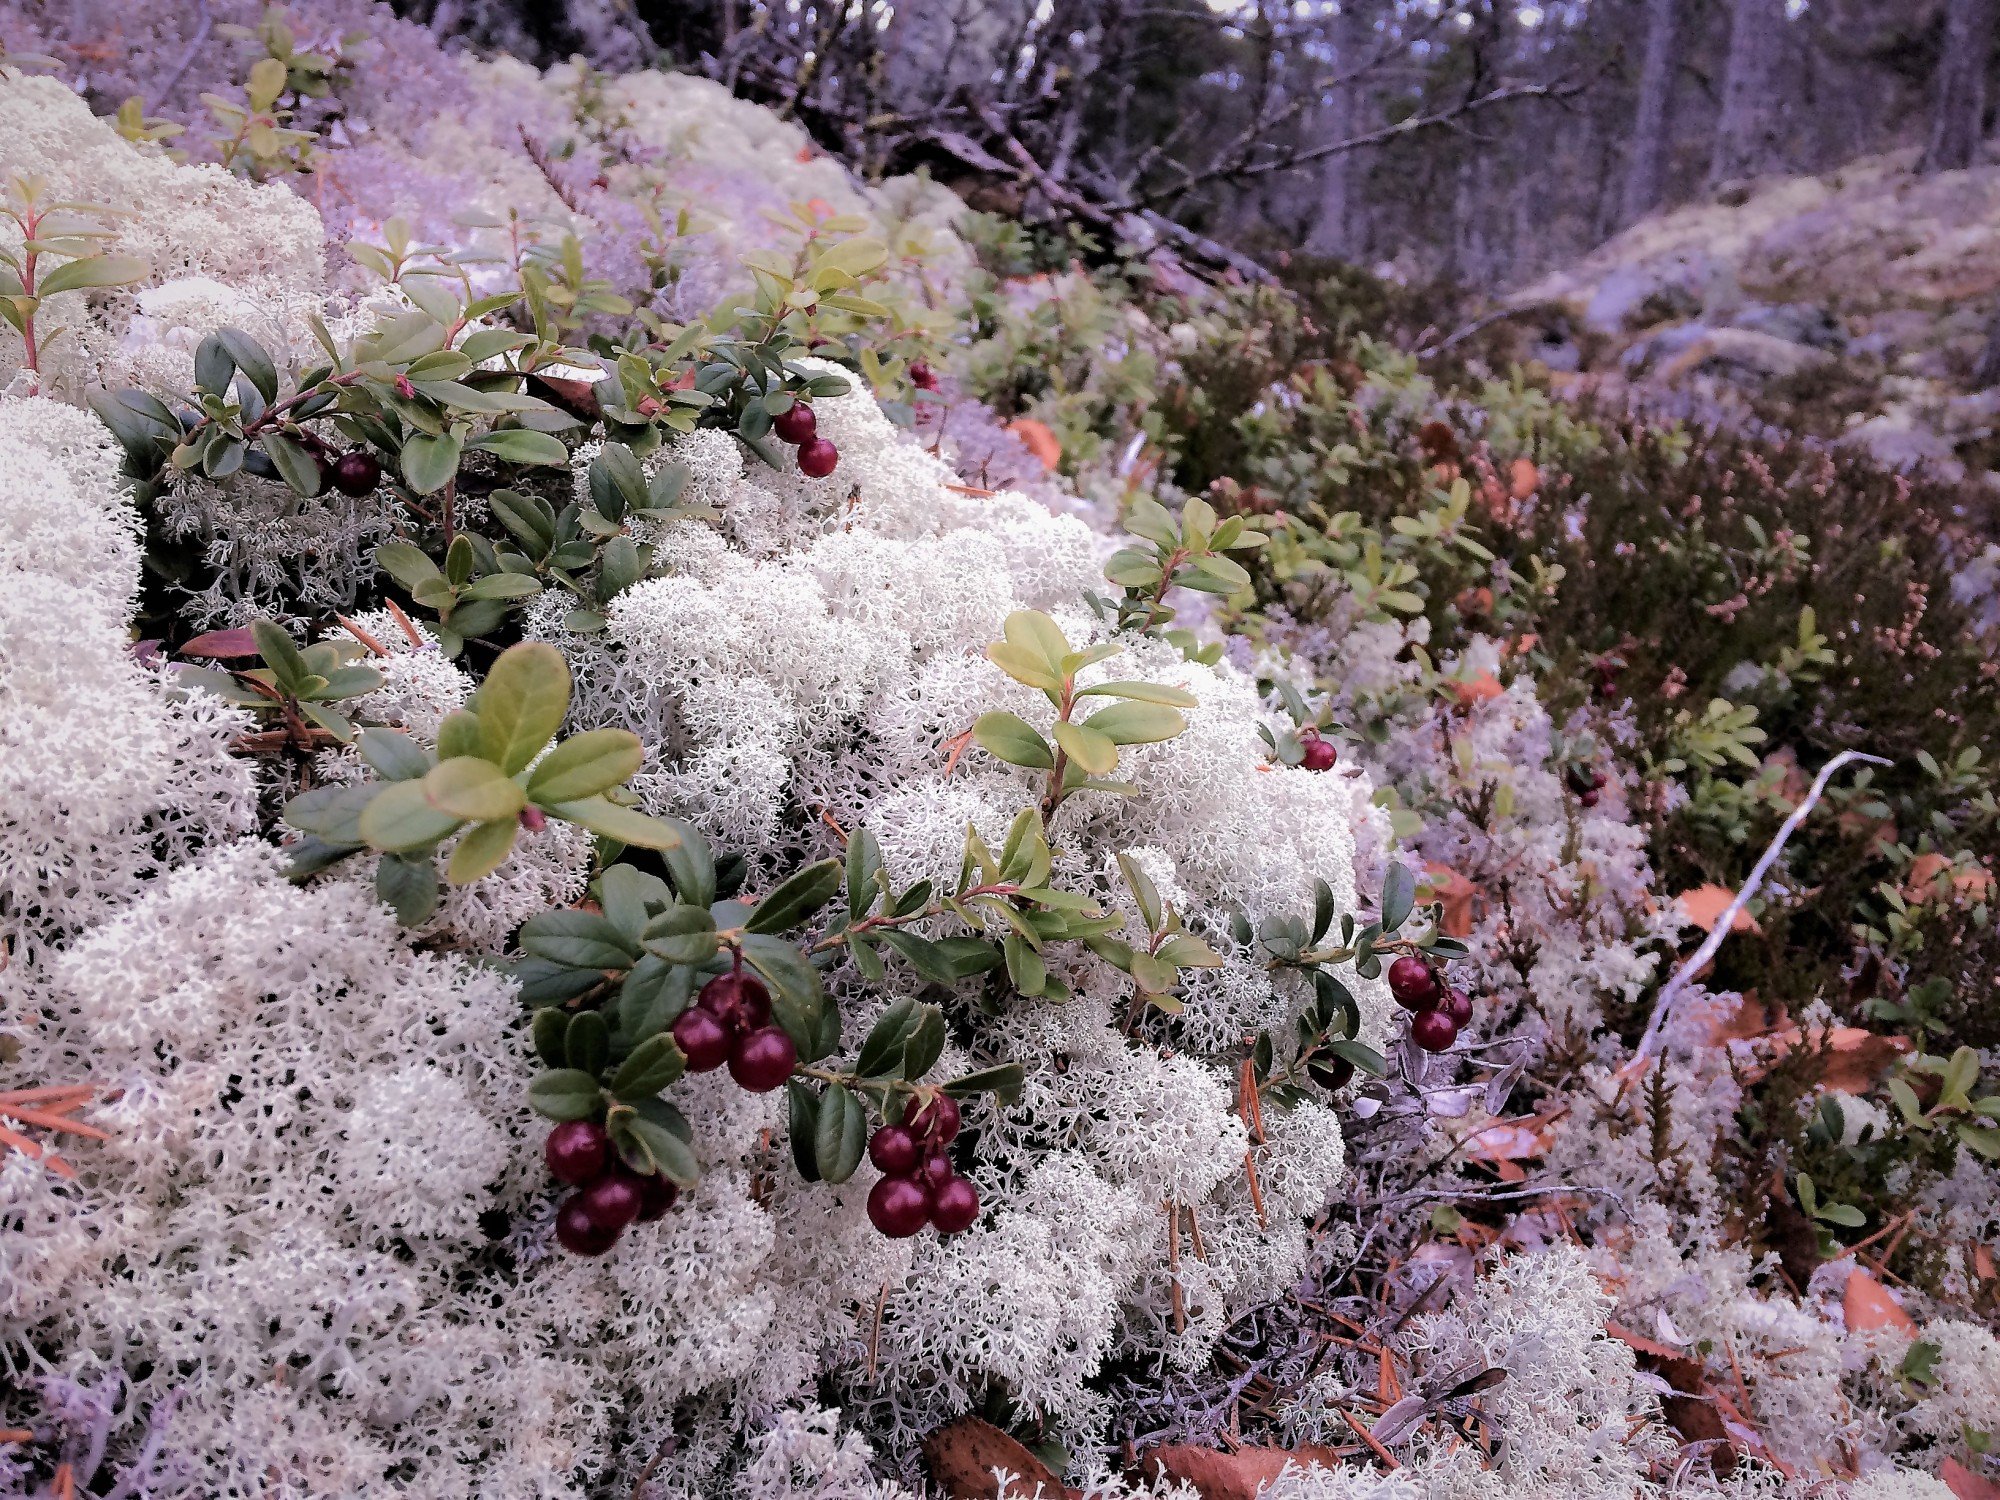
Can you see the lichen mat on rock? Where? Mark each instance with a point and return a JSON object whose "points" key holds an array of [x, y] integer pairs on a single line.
{"points": [[558, 624]]}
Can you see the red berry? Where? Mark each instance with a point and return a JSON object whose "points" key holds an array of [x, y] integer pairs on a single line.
{"points": [[612, 1201], [1412, 983], [656, 1195], [1319, 755], [703, 1040], [1433, 1030], [954, 1205], [356, 473], [922, 376], [1588, 799], [817, 458], [936, 1170], [576, 1151], [899, 1206], [1458, 1005], [738, 1001], [1598, 779], [796, 424], [763, 1059], [937, 1122], [578, 1232], [894, 1150]]}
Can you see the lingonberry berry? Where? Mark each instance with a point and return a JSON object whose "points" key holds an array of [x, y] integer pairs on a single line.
{"points": [[922, 376], [356, 473], [702, 1038], [1458, 1005], [895, 1150], [738, 1001], [656, 1195], [954, 1205], [899, 1206], [1412, 983], [1588, 799], [796, 424], [579, 1233], [763, 1059], [1433, 1030], [936, 1170], [576, 1151], [817, 458], [937, 1122], [1319, 754], [612, 1201]]}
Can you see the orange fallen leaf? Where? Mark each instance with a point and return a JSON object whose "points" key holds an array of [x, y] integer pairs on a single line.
{"points": [[1523, 479], [1241, 1475], [1705, 904], [1475, 690], [1968, 886], [1854, 1058], [1037, 439], [963, 1456], [1967, 1485], [1866, 1304], [1750, 1019], [1641, 1344], [1456, 894], [1982, 1262], [1510, 1140]]}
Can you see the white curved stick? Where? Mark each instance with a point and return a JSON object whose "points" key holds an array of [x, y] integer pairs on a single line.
{"points": [[1662, 1007]]}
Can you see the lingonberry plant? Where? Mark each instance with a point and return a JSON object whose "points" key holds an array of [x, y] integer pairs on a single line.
{"points": [[60, 250]]}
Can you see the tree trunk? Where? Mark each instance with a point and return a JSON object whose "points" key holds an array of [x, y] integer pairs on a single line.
{"points": [[1958, 88], [1646, 167], [1748, 137], [1340, 117]]}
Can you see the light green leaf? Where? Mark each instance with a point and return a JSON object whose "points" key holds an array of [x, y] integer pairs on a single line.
{"points": [[401, 818], [1142, 692], [93, 271], [585, 764], [626, 824], [479, 853], [1135, 723], [1012, 739], [521, 703], [472, 788], [1094, 751], [518, 445]]}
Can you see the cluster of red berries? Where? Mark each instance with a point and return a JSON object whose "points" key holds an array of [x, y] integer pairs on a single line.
{"points": [[609, 1195], [1586, 783], [798, 426], [1439, 1010], [918, 1185], [730, 1022], [1319, 753]]}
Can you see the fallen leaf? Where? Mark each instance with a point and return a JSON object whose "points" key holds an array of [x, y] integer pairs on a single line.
{"points": [[1967, 1485], [1691, 1409], [1476, 690], [963, 1456], [1523, 479], [1241, 1475], [1866, 1303], [1968, 886], [1750, 1019], [222, 645], [1705, 904], [1853, 1059], [1456, 893], [1510, 1140], [1037, 439]]}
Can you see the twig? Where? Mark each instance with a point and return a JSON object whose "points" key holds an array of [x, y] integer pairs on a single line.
{"points": [[1174, 1265], [1663, 1007], [1368, 1437]]}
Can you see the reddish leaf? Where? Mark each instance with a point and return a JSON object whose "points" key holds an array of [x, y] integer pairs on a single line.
{"points": [[222, 644], [1241, 1475], [963, 1456], [1867, 1305], [1967, 1485], [1037, 439]]}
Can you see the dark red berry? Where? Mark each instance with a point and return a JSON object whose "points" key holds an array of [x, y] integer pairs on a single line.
{"points": [[894, 1150], [936, 1170], [1319, 755], [612, 1201], [796, 424], [954, 1205], [1433, 1030], [763, 1060], [703, 1040], [937, 1122], [578, 1232], [656, 1195], [576, 1151], [356, 473], [738, 1001], [1598, 779], [899, 1206], [818, 458], [1457, 1005], [1588, 799], [922, 376], [1412, 983]]}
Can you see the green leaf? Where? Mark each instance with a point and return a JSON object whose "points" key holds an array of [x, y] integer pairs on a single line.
{"points": [[626, 824], [883, 1047], [393, 755], [458, 734], [518, 445], [1363, 1056], [282, 655], [482, 849], [802, 1121], [295, 465], [840, 1134], [521, 704], [550, 1030], [625, 892], [549, 984], [472, 788], [682, 935], [864, 866], [1035, 632], [1090, 749], [796, 995], [94, 271], [429, 461], [1399, 896], [1982, 1139], [652, 998], [796, 898], [587, 1042], [409, 887], [653, 1065], [1004, 1080], [1135, 723], [251, 360], [586, 764], [1012, 739], [409, 565], [564, 1094], [1024, 666], [580, 939], [926, 957], [1142, 692], [923, 1043], [401, 818], [649, 1145], [1152, 911]]}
